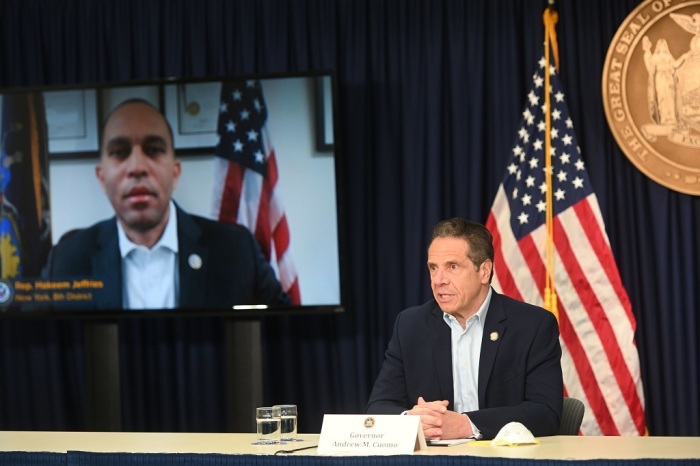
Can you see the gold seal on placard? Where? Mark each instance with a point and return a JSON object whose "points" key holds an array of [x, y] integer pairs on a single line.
{"points": [[651, 91]]}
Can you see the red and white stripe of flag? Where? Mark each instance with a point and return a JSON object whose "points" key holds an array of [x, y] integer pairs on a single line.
{"points": [[252, 200], [600, 360]]}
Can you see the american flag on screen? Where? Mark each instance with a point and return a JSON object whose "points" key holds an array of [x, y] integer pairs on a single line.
{"points": [[599, 360], [246, 191]]}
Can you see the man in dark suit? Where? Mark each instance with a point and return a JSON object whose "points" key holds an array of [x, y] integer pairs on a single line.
{"points": [[471, 360], [152, 254]]}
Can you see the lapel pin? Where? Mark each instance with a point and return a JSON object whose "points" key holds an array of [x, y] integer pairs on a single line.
{"points": [[494, 336], [195, 261]]}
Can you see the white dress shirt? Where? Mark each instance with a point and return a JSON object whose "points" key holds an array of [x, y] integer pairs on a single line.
{"points": [[150, 277]]}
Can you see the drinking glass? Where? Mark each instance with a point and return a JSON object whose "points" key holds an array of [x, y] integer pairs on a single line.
{"points": [[288, 422], [267, 419]]}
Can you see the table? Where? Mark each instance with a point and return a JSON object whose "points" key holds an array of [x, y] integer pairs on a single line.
{"points": [[121, 448]]}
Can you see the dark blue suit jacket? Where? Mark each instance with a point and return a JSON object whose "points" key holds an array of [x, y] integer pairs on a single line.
{"points": [[233, 269], [520, 376]]}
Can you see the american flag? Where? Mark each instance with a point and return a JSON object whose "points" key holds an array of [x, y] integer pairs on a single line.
{"points": [[246, 190], [599, 356]]}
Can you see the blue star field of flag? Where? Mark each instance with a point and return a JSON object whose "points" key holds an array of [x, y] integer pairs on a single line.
{"points": [[242, 115], [524, 184]]}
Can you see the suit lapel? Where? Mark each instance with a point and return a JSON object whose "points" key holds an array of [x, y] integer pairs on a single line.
{"points": [[494, 329], [192, 261], [441, 344], [106, 262]]}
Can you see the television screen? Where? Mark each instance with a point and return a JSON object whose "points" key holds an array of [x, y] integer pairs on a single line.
{"points": [[99, 220]]}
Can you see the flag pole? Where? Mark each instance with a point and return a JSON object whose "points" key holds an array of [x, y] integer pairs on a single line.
{"points": [[550, 19], [35, 149]]}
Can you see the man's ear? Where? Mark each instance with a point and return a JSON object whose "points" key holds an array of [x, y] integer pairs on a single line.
{"points": [[100, 177], [177, 171], [486, 270]]}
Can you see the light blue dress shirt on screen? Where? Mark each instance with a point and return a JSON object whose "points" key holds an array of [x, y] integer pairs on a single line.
{"points": [[150, 276]]}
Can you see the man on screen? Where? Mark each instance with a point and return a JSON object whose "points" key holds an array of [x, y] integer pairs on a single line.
{"points": [[152, 254], [471, 360]]}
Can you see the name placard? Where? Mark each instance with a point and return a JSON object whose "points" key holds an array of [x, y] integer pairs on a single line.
{"points": [[365, 434]]}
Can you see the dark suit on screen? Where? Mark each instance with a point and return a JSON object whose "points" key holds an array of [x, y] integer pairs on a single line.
{"points": [[232, 269], [520, 377]]}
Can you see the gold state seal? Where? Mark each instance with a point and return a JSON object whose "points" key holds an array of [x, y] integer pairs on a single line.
{"points": [[651, 91]]}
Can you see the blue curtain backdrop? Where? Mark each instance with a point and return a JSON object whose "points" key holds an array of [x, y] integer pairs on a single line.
{"points": [[430, 94]]}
